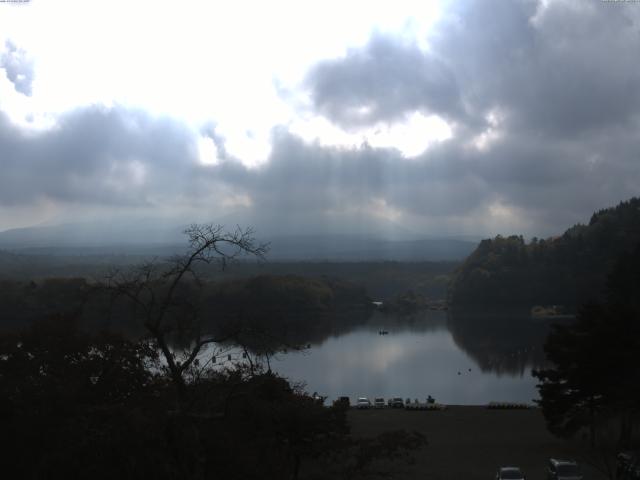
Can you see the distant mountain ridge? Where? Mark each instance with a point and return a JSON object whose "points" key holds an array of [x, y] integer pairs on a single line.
{"points": [[567, 270], [350, 248], [91, 235], [165, 240]]}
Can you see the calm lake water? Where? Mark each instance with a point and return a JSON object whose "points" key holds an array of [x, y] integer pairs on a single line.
{"points": [[457, 360]]}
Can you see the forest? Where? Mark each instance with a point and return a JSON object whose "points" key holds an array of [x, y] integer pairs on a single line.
{"points": [[567, 270], [106, 379]]}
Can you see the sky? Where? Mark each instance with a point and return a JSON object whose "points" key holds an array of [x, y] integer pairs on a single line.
{"points": [[397, 119]]}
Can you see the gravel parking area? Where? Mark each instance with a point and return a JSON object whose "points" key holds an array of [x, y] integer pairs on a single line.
{"points": [[472, 442]]}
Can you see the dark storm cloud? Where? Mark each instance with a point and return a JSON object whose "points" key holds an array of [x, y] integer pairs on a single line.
{"points": [[382, 83], [561, 82], [18, 67], [96, 155], [558, 71], [549, 185], [310, 178], [565, 81]]}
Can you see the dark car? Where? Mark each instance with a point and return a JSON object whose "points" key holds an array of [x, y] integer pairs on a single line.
{"points": [[563, 470], [509, 473], [396, 402], [628, 466]]}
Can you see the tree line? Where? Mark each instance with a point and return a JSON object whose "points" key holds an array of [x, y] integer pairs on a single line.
{"points": [[591, 385], [86, 403], [568, 270]]}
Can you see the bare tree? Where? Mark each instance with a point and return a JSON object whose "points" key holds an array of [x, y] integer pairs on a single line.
{"points": [[153, 290]]}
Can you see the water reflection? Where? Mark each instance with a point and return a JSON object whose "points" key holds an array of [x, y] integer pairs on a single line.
{"points": [[457, 358], [500, 342]]}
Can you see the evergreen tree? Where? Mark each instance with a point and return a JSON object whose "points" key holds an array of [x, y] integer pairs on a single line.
{"points": [[595, 374]]}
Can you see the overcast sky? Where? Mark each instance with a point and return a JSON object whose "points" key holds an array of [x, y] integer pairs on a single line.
{"points": [[418, 118]]}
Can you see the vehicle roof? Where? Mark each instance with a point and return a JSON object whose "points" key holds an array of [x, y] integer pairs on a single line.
{"points": [[363, 398], [556, 461], [510, 473]]}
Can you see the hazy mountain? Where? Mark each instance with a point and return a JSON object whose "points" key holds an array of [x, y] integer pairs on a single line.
{"points": [[92, 235], [353, 248], [142, 238]]}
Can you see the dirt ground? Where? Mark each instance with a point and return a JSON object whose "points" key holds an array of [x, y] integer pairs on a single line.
{"points": [[472, 442]]}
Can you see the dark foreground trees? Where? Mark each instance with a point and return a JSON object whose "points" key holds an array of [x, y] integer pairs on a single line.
{"points": [[592, 385], [81, 405], [77, 404], [170, 313]]}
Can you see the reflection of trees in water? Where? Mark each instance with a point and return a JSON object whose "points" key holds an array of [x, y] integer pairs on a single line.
{"points": [[272, 332], [315, 329], [508, 343], [500, 343], [422, 321]]}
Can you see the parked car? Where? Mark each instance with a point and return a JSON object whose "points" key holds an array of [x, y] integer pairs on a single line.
{"points": [[396, 402], [628, 466], [510, 473], [379, 403], [563, 470], [343, 402], [363, 402]]}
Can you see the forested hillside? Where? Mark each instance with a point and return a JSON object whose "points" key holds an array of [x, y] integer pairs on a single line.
{"points": [[292, 307], [567, 270]]}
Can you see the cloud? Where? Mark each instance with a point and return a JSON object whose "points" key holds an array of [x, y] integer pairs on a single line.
{"points": [[517, 186], [556, 84], [122, 159], [383, 82], [542, 99], [18, 67], [96, 155], [560, 70]]}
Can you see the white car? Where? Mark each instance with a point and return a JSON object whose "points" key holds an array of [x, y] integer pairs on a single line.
{"points": [[379, 403], [509, 473], [363, 402]]}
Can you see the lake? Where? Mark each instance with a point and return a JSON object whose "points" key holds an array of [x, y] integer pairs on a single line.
{"points": [[463, 360]]}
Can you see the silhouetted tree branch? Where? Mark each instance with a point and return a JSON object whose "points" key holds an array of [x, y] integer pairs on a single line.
{"points": [[153, 291]]}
